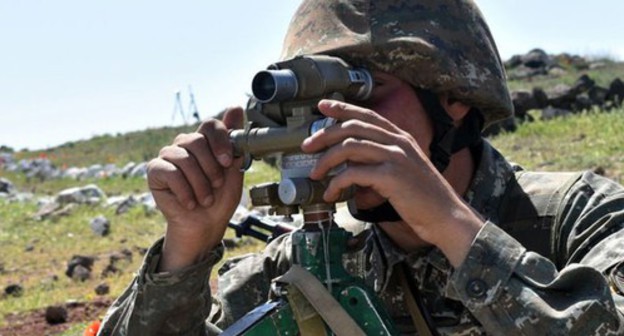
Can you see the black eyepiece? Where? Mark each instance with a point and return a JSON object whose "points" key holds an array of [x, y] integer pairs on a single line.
{"points": [[274, 85]]}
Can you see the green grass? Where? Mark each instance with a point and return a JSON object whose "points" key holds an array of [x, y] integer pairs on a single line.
{"points": [[585, 141]]}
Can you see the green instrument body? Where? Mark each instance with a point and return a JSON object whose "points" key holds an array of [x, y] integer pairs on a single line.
{"points": [[320, 252]]}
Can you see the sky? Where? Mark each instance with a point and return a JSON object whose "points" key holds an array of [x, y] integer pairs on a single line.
{"points": [[74, 69]]}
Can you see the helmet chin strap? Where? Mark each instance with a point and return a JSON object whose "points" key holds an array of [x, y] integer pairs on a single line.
{"points": [[447, 140]]}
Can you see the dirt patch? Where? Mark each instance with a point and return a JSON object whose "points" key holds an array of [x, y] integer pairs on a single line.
{"points": [[34, 322]]}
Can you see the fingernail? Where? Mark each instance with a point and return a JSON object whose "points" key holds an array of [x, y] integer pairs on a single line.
{"points": [[324, 103], [190, 205], [224, 159]]}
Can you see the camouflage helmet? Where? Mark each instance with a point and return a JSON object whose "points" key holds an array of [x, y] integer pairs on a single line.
{"points": [[444, 46]]}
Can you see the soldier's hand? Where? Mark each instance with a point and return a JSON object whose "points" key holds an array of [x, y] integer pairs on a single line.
{"points": [[387, 163], [197, 184]]}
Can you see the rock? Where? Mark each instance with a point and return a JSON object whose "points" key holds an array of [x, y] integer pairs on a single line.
{"points": [[100, 226], [6, 186], [81, 273], [582, 102], [561, 96], [582, 84], [108, 270], [102, 289], [127, 204], [523, 101], [127, 169], [556, 72], [75, 173], [94, 171], [513, 62], [616, 92], [598, 95], [54, 210], [56, 315], [46, 210], [89, 194], [84, 262], [148, 203], [536, 58], [14, 290], [140, 170], [541, 99]]}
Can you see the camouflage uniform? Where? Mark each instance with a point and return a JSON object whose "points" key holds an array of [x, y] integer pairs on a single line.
{"points": [[549, 260], [576, 287]]}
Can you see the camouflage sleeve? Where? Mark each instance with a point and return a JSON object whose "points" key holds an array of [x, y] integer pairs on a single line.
{"points": [[244, 282], [163, 303], [512, 291]]}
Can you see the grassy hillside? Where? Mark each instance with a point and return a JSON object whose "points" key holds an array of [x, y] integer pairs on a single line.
{"points": [[35, 252], [117, 149]]}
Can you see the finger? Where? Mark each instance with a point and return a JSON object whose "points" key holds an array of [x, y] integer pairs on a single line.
{"points": [[197, 145], [363, 176], [165, 176], [216, 133], [352, 150], [330, 136], [233, 118], [344, 111], [193, 173]]}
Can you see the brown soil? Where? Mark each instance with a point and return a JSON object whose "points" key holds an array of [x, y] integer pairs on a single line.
{"points": [[34, 323]]}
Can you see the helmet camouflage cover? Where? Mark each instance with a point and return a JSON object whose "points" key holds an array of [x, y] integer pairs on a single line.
{"points": [[441, 45]]}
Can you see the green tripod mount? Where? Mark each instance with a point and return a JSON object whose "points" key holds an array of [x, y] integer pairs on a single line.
{"points": [[317, 296], [318, 248]]}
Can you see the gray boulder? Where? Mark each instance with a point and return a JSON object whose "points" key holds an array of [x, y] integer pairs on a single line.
{"points": [[89, 194], [100, 225]]}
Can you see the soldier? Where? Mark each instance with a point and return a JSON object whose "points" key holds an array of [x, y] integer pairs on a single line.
{"points": [[492, 249]]}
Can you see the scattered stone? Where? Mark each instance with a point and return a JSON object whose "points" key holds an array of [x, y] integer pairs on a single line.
{"points": [[109, 270], [140, 170], [127, 169], [6, 186], [54, 210], [616, 92], [89, 194], [56, 315], [84, 262], [148, 202], [81, 273], [125, 254], [536, 58], [14, 290], [126, 205], [100, 225], [102, 289], [29, 248]]}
